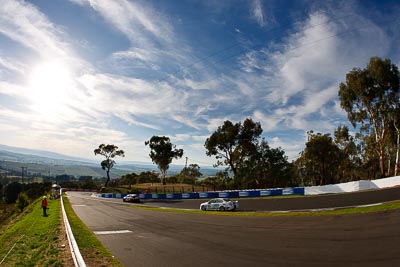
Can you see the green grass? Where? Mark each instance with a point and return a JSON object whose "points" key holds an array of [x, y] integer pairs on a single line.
{"points": [[345, 211], [92, 250], [32, 239]]}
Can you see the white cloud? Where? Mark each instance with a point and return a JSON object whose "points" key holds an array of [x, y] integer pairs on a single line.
{"points": [[12, 65], [303, 77], [269, 122], [135, 20], [129, 95], [258, 13], [137, 53], [11, 89], [180, 137], [287, 86], [24, 23]]}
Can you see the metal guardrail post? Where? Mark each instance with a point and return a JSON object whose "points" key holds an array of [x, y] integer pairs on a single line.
{"points": [[76, 254]]}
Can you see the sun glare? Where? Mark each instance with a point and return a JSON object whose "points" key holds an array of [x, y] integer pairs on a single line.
{"points": [[49, 85]]}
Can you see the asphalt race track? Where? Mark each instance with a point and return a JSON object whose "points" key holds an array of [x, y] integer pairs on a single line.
{"points": [[155, 238], [301, 203]]}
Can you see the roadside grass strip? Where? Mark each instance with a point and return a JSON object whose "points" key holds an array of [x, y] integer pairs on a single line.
{"points": [[92, 250], [32, 239], [320, 212]]}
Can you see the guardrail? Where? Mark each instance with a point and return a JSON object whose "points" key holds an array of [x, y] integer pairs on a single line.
{"points": [[76, 254]]}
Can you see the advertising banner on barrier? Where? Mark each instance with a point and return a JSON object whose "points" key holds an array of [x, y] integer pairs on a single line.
{"points": [[287, 191], [203, 195], [244, 193], [145, 196], [264, 193], [223, 194], [159, 196], [208, 194], [271, 192], [229, 194], [252, 193], [298, 191]]}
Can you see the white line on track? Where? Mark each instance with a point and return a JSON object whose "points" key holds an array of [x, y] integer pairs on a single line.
{"points": [[112, 232]]}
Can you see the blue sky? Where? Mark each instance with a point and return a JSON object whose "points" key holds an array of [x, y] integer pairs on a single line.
{"points": [[75, 74]]}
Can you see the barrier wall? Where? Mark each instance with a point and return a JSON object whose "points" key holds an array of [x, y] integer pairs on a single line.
{"points": [[311, 190], [222, 194], [353, 186]]}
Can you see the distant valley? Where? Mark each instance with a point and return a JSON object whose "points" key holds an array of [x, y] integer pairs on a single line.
{"points": [[45, 163]]}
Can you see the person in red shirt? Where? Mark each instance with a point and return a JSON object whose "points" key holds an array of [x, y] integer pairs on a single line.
{"points": [[44, 205]]}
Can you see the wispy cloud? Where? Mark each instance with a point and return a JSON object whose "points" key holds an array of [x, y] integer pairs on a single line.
{"points": [[137, 21], [258, 13], [12, 65], [25, 24], [303, 76], [163, 83]]}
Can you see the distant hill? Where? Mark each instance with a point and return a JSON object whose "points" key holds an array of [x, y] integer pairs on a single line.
{"points": [[47, 163], [41, 155]]}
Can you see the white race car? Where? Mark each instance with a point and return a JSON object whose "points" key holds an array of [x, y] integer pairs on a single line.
{"points": [[131, 198], [221, 204]]}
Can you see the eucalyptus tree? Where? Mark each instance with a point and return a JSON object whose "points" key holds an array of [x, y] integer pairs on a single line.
{"points": [[109, 152], [129, 179], [162, 152], [323, 158], [148, 177], [368, 96], [266, 167], [232, 143], [190, 174], [350, 154]]}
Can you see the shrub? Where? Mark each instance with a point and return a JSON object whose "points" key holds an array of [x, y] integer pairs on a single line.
{"points": [[22, 201]]}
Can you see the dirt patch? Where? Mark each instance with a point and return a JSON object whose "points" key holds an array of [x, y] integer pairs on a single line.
{"points": [[96, 259]]}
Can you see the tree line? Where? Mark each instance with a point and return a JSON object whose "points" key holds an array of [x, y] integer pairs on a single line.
{"points": [[371, 98]]}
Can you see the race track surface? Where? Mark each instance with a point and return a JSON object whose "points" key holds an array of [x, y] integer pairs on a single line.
{"points": [[296, 203], [156, 238]]}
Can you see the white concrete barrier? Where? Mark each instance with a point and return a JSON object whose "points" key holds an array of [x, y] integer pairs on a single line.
{"points": [[352, 186], [387, 182]]}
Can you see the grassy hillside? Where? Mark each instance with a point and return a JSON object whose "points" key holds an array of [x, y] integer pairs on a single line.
{"points": [[31, 239], [35, 240]]}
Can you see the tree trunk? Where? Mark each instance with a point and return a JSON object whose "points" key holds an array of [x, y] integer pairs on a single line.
{"points": [[382, 166], [396, 165], [379, 139], [382, 162], [108, 178]]}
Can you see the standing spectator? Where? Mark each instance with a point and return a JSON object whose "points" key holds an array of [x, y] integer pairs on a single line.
{"points": [[44, 205]]}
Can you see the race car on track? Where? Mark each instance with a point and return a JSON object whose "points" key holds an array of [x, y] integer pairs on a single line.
{"points": [[131, 198], [220, 204]]}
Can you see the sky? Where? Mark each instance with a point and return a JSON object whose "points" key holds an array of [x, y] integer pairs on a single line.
{"points": [[75, 74]]}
